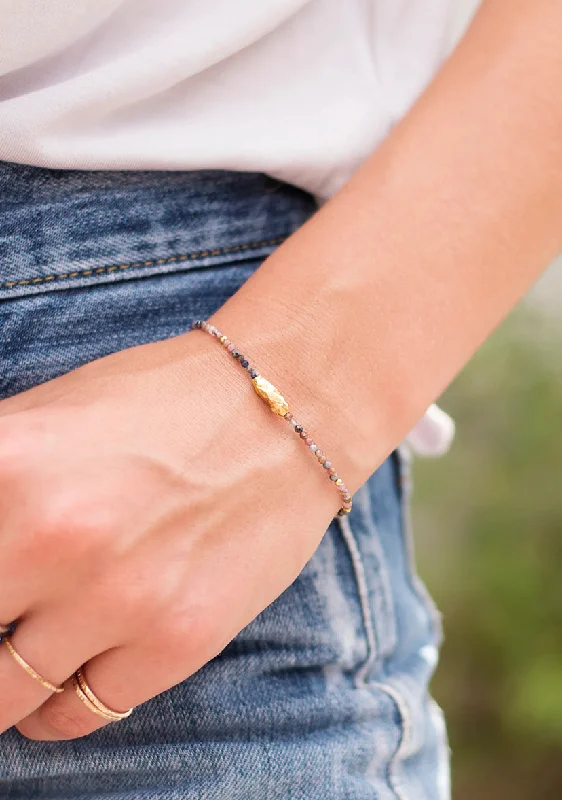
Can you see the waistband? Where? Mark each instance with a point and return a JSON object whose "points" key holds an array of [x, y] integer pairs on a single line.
{"points": [[63, 228]]}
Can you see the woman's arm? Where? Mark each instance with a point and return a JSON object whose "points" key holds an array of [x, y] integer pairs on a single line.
{"points": [[368, 311], [145, 492]]}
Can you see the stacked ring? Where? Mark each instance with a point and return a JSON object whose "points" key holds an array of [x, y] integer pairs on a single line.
{"points": [[92, 702], [29, 669]]}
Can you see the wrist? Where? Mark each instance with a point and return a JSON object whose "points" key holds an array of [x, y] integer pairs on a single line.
{"points": [[238, 431], [305, 356], [279, 406]]}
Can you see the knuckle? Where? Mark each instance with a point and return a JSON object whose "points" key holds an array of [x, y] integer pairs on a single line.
{"points": [[51, 534], [66, 520], [133, 604], [71, 513], [189, 635], [137, 600], [177, 648], [131, 598]]}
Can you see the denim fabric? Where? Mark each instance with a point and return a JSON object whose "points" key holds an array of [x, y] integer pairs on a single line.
{"points": [[324, 695]]}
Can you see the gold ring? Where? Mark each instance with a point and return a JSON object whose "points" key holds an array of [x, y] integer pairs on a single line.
{"points": [[29, 669], [92, 702]]}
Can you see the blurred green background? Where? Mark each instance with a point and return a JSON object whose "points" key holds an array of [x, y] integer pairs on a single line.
{"points": [[488, 527]]}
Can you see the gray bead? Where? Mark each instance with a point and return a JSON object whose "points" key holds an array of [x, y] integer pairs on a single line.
{"points": [[327, 464], [334, 477], [314, 447]]}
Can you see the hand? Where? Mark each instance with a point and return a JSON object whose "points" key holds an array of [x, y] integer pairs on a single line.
{"points": [[151, 507]]}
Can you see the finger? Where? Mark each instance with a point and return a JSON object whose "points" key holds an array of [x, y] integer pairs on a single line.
{"points": [[54, 646], [121, 678]]}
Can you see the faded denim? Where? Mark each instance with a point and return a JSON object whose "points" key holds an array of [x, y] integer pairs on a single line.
{"points": [[324, 695]]}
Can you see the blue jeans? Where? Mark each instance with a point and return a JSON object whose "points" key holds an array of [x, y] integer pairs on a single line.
{"points": [[324, 695]]}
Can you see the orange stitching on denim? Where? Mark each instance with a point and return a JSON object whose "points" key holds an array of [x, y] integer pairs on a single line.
{"points": [[171, 259]]}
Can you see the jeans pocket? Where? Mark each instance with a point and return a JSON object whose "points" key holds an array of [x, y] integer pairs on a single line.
{"points": [[70, 275], [46, 334], [61, 229]]}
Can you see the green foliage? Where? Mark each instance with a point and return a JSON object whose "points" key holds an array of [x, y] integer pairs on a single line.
{"points": [[489, 542]]}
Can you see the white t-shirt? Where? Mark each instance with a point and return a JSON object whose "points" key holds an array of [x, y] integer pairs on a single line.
{"points": [[301, 89]]}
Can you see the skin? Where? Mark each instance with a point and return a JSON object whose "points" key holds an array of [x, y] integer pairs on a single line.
{"points": [[150, 490]]}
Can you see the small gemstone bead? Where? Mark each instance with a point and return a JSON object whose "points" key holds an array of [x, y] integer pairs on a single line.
{"points": [[223, 339], [347, 504], [343, 511], [339, 482], [304, 435], [235, 354], [343, 488], [288, 416], [332, 471], [308, 441], [244, 362], [230, 347], [298, 428], [327, 464], [334, 476], [254, 373], [346, 496], [322, 459], [319, 453], [314, 447]]}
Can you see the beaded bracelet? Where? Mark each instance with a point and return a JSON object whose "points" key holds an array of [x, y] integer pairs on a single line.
{"points": [[279, 406]]}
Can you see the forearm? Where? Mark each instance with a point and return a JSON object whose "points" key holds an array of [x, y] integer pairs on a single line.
{"points": [[371, 308]]}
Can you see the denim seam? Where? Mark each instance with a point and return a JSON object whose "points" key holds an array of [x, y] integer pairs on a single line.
{"points": [[406, 725], [139, 264], [362, 589]]}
